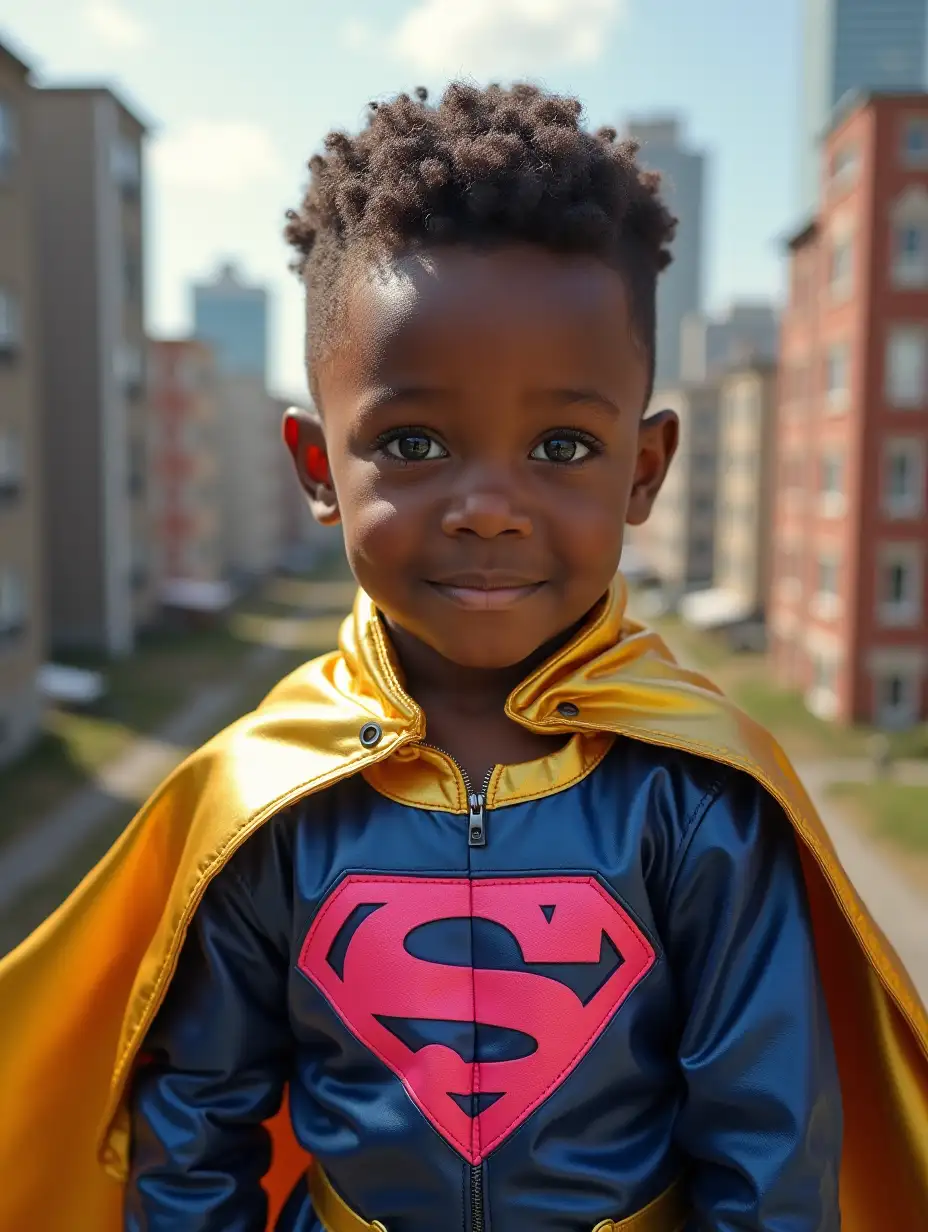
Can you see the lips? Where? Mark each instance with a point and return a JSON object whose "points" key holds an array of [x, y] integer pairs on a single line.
{"points": [[486, 591]]}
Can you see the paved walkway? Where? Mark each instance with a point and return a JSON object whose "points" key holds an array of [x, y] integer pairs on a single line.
{"points": [[896, 904], [35, 855]]}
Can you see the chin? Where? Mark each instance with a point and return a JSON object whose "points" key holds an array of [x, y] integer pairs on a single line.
{"points": [[489, 653]]}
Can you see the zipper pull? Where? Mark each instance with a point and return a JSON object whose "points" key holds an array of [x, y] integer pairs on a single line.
{"points": [[477, 822]]}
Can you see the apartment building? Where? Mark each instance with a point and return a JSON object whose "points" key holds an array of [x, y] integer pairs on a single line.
{"points": [[848, 596], [21, 619], [250, 448], [679, 537], [743, 502], [101, 578], [183, 396]]}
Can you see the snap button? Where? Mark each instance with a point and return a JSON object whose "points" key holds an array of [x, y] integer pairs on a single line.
{"points": [[568, 710], [371, 734]]}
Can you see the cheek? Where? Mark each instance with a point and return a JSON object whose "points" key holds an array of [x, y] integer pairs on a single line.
{"points": [[376, 527]]}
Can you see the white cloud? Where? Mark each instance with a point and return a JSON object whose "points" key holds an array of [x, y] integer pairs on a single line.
{"points": [[486, 37], [216, 155], [115, 26]]}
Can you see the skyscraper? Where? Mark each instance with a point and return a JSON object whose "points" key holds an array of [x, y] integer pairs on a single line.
{"points": [[851, 45], [680, 287], [231, 317]]}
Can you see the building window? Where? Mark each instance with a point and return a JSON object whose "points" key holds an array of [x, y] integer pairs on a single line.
{"points": [[841, 272], [906, 369], [826, 602], [915, 141], [11, 464], [844, 165], [125, 165], [9, 136], [12, 604], [129, 367], [822, 698], [910, 255], [897, 698], [904, 478], [10, 323], [900, 585], [832, 485], [837, 377]]}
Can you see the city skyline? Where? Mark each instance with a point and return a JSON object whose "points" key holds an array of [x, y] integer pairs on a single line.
{"points": [[225, 164]]}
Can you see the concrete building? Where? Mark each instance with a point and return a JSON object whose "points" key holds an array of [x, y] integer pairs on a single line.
{"points": [[678, 539], [232, 317], [710, 346], [744, 498], [250, 448], [186, 430], [850, 46], [100, 579], [21, 603], [848, 599], [680, 287]]}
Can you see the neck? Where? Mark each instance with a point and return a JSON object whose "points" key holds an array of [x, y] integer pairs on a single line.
{"points": [[431, 679]]}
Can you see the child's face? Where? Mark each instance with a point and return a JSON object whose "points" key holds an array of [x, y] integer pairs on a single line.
{"points": [[483, 424]]}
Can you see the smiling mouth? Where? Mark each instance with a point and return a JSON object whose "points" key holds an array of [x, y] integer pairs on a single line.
{"points": [[486, 592]]}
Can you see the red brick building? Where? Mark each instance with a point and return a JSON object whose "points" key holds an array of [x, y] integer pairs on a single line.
{"points": [[184, 402], [849, 592]]}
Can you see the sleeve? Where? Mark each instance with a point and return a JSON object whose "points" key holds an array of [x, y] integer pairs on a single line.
{"points": [[761, 1123], [219, 1061]]}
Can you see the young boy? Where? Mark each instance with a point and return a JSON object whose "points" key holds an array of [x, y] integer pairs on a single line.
{"points": [[521, 922]]}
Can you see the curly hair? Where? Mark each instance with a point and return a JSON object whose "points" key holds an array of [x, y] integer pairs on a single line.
{"points": [[482, 167]]}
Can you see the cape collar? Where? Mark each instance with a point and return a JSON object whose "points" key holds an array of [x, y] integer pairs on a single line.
{"points": [[580, 692]]}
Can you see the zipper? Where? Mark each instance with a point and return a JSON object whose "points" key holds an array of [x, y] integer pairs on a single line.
{"points": [[476, 800], [476, 837], [476, 1199]]}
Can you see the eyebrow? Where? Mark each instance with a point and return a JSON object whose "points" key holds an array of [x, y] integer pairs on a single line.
{"points": [[568, 397], [387, 395]]}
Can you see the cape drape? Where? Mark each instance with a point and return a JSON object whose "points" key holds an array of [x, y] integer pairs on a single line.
{"points": [[78, 996]]}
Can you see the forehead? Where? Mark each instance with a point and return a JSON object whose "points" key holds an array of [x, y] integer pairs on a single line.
{"points": [[458, 314]]}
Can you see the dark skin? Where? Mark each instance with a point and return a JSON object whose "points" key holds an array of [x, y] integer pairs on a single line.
{"points": [[482, 419]]}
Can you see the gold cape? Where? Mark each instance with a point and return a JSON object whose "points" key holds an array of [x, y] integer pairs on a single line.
{"points": [[77, 997]]}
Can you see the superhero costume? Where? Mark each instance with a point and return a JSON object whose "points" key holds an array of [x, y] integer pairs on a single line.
{"points": [[488, 1003]]}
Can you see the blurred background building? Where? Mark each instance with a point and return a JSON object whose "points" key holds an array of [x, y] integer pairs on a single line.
{"points": [[710, 345], [851, 45], [680, 289], [232, 317], [100, 571], [187, 429], [679, 538], [849, 593], [22, 616]]}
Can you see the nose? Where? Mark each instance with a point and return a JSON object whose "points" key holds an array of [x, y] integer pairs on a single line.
{"points": [[487, 515]]}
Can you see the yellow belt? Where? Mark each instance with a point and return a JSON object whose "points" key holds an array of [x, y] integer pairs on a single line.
{"points": [[667, 1213]]}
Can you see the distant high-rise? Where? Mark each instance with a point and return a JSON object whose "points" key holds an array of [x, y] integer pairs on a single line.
{"points": [[849, 46], [231, 317], [680, 288]]}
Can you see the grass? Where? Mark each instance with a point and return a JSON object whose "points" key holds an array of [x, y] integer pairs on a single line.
{"points": [[748, 680], [167, 670], [894, 812], [25, 914]]}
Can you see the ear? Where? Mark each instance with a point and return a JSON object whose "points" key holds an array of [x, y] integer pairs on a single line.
{"points": [[658, 437], [305, 438]]}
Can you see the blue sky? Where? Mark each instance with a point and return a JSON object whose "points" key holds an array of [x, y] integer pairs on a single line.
{"points": [[240, 94]]}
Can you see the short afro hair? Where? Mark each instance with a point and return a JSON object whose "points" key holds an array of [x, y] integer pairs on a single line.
{"points": [[481, 167]]}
